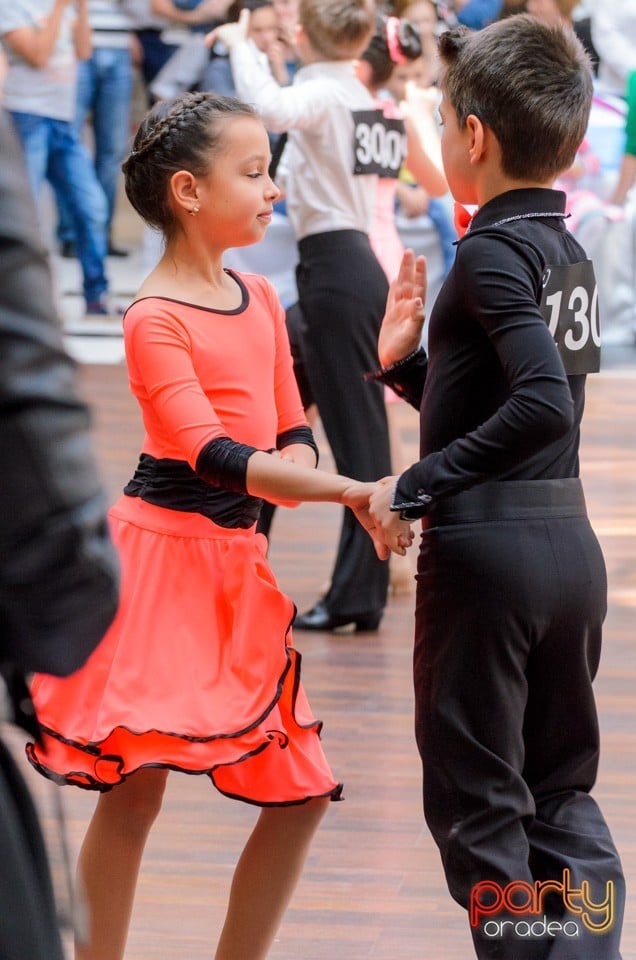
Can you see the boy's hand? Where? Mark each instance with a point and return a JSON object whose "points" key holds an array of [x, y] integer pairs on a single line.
{"points": [[388, 524], [401, 330], [229, 34], [395, 540]]}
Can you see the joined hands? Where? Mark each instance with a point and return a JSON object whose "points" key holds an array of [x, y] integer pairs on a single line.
{"points": [[371, 504]]}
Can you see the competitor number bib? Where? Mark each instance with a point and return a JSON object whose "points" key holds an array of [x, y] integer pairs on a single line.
{"points": [[379, 143], [569, 304]]}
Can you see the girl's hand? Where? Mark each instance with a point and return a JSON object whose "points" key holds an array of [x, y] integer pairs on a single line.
{"points": [[394, 540], [401, 331], [388, 524]]}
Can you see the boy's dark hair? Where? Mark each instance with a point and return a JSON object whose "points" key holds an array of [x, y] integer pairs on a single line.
{"points": [[380, 52], [530, 82], [183, 133]]}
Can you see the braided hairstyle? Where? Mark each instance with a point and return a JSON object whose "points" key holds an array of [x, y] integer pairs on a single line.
{"points": [[394, 41], [183, 133]]}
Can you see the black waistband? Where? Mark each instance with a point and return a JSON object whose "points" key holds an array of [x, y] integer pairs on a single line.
{"points": [[174, 484], [511, 500], [334, 241]]}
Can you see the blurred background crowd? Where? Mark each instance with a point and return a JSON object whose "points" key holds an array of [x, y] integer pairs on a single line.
{"points": [[78, 74]]}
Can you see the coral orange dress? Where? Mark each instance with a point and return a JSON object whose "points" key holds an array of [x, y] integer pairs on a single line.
{"points": [[197, 672]]}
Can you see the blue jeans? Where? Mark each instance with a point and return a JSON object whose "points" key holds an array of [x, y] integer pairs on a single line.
{"points": [[104, 91], [54, 152]]}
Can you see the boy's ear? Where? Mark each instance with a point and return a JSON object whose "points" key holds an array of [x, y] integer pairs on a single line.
{"points": [[476, 138], [183, 189]]}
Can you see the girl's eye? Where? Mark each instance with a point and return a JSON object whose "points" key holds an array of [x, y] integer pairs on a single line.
{"points": [[255, 175]]}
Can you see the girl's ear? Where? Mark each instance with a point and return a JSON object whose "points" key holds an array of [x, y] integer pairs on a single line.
{"points": [[476, 138], [183, 191]]}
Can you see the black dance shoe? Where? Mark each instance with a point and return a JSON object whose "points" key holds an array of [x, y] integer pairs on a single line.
{"points": [[319, 618]]}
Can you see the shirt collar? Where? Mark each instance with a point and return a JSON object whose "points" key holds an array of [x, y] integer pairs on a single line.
{"points": [[519, 203]]}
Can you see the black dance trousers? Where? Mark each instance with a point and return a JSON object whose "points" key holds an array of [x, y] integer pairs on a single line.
{"points": [[511, 598], [28, 923], [342, 293]]}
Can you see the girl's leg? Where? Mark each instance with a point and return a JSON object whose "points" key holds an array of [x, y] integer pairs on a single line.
{"points": [[110, 858], [265, 878]]}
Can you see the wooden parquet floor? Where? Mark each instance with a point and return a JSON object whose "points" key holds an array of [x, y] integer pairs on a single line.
{"points": [[373, 888]]}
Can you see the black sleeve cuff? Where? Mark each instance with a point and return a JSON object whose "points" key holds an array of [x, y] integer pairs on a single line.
{"points": [[405, 377], [223, 463], [408, 508], [297, 435]]}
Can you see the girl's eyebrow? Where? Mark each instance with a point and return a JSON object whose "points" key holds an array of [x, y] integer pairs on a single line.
{"points": [[256, 156]]}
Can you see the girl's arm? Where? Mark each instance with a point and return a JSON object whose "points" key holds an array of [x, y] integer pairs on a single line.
{"points": [[268, 475]]}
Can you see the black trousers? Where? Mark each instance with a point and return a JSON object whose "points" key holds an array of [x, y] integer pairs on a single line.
{"points": [[511, 599], [342, 293], [28, 923]]}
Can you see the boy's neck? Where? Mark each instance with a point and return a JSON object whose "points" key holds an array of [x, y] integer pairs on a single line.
{"points": [[497, 185]]}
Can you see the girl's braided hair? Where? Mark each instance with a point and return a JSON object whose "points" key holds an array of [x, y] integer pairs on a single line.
{"points": [[183, 133]]}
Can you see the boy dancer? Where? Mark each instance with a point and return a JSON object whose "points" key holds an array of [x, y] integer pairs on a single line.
{"points": [[511, 579], [342, 288]]}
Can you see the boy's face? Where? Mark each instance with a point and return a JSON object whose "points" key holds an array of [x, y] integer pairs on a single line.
{"points": [[455, 155]]}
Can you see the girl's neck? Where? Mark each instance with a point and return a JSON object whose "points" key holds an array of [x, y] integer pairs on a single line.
{"points": [[194, 276]]}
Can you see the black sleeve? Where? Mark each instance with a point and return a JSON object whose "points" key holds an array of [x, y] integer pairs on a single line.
{"points": [[498, 279], [297, 435], [58, 568], [406, 377], [223, 463]]}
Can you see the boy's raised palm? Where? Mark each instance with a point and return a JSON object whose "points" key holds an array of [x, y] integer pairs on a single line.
{"points": [[401, 331]]}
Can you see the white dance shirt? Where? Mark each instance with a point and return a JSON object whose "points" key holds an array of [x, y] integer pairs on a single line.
{"points": [[322, 192]]}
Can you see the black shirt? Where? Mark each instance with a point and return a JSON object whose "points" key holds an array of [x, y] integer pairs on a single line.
{"points": [[496, 403]]}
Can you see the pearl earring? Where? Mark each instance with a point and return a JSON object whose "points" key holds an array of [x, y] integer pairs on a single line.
{"points": [[194, 210]]}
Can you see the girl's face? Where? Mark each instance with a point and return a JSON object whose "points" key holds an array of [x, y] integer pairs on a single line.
{"points": [[421, 13], [263, 29], [236, 198], [416, 70]]}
